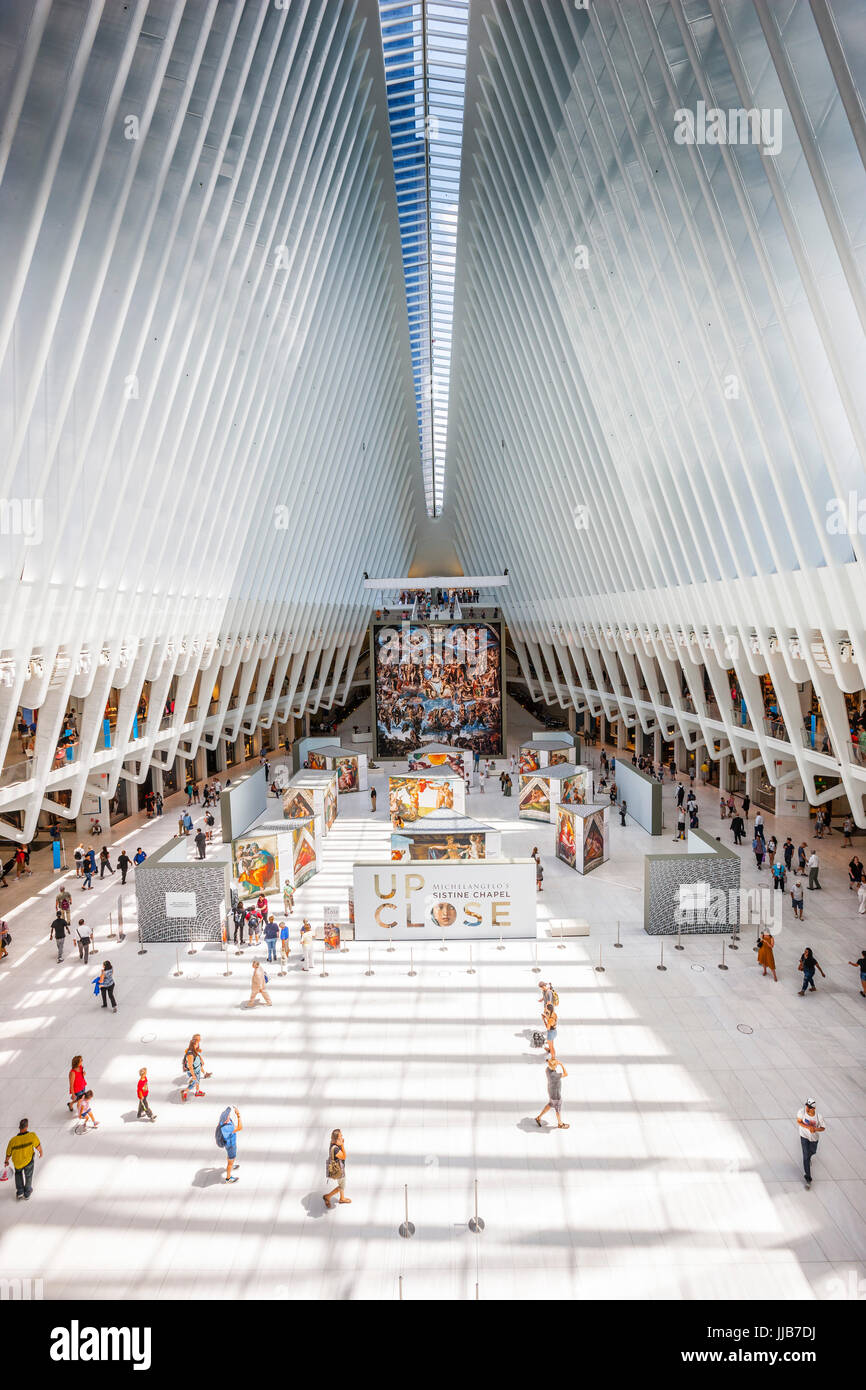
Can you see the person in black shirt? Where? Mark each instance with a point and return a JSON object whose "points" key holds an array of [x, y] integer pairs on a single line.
{"points": [[123, 863], [60, 931]]}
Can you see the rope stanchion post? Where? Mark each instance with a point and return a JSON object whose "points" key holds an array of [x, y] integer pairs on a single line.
{"points": [[617, 944], [679, 946], [599, 969], [369, 970], [561, 946], [732, 944], [500, 947], [406, 1227], [661, 965], [471, 970], [177, 961], [323, 974], [476, 1224], [227, 972], [722, 965], [443, 947], [536, 969], [412, 970], [111, 926]]}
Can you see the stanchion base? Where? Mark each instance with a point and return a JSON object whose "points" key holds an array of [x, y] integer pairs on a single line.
{"points": [[323, 974], [721, 967], [141, 951], [661, 967], [412, 972], [471, 971], [617, 945], [175, 973], [225, 973], [406, 1229], [344, 950], [732, 947], [192, 951], [536, 969], [599, 969], [476, 1224], [369, 972], [500, 948], [679, 948]]}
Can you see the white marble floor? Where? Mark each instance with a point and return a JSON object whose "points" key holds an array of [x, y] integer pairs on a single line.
{"points": [[679, 1176]]}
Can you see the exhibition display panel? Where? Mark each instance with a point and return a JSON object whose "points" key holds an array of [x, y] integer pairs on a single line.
{"points": [[183, 899], [274, 853], [539, 753], [348, 764], [540, 792], [444, 835], [476, 900], [437, 681], [699, 891], [439, 757], [311, 787], [412, 796], [242, 802], [310, 744], [583, 836], [642, 794]]}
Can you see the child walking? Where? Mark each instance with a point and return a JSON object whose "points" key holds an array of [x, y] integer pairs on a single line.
{"points": [[85, 1111], [143, 1090]]}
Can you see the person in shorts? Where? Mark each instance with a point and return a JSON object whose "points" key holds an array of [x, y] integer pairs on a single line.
{"points": [[229, 1127], [554, 1093], [336, 1169]]}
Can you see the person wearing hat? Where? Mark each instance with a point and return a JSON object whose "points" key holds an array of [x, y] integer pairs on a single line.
{"points": [[810, 1124]]}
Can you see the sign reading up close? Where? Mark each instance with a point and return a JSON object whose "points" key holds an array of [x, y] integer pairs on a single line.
{"points": [[475, 900]]}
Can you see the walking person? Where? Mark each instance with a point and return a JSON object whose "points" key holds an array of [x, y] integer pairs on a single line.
{"points": [[766, 958], [78, 856], [813, 870], [200, 841], [21, 1153], [788, 853], [59, 930], [228, 1128], [810, 1124], [307, 945], [855, 872], [550, 1019], [85, 1112], [88, 869], [284, 945], [809, 965], [738, 829], [801, 858], [860, 965], [554, 1093], [142, 1091], [797, 899], [747, 801], [758, 851], [193, 1065], [623, 809], [288, 899], [105, 861], [336, 1169], [83, 939], [63, 904], [77, 1082], [106, 986], [847, 830], [257, 985], [123, 863]]}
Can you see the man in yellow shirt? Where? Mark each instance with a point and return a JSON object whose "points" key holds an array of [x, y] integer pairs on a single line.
{"points": [[21, 1151]]}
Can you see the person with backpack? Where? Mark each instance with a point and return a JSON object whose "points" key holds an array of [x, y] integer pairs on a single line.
{"points": [[105, 861], [123, 863], [226, 1134], [63, 903], [88, 869], [336, 1169], [193, 1066], [239, 916]]}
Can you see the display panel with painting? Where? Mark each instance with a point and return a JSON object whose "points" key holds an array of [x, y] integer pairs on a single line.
{"points": [[256, 864], [595, 839], [576, 789], [297, 803], [347, 774], [534, 798], [466, 845], [559, 755], [530, 760], [330, 806], [304, 862], [565, 836], [437, 682], [438, 759], [411, 797]]}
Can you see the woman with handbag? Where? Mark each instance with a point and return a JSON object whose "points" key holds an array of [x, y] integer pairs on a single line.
{"points": [[809, 965], [766, 958], [336, 1169]]}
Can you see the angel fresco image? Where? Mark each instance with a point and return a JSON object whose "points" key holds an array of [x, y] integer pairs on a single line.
{"points": [[297, 805], [593, 841], [534, 799], [256, 866], [575, 790], [411, 797], [530, 760], [438, 684]]}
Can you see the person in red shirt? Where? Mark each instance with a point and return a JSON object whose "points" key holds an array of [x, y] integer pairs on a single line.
{"points": [[143, 1107], [262, 905]]}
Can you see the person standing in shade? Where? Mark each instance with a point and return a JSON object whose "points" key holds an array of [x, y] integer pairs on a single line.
{"points": [[272, 936], [83, 938], [813, 871], [797, 899], [228, 1128], [257, 985], [307, 945], [554, 1093], [738, 829], [59, 931], [810, 1124], [239, 917], [766, 958], [142, 1092], [106, 985], [336, 1169], [801, 858], [21, 1153], [847, 830], [747, 801], [373, 800], [200, 841], [861, 966], [623, 809], [809, 965], [123, 863], [681, 794]]}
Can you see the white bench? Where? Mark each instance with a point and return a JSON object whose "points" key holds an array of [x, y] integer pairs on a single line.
{"points": [[567, 926]]}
